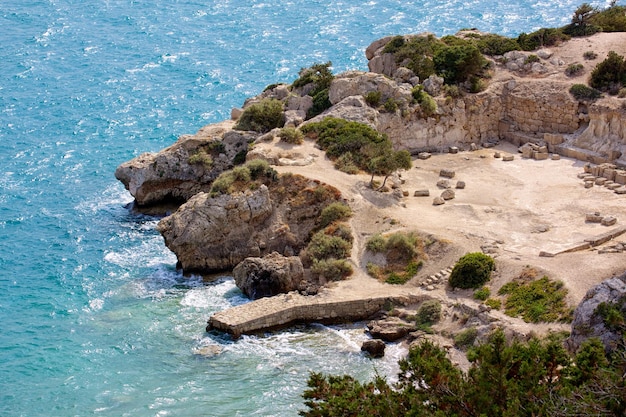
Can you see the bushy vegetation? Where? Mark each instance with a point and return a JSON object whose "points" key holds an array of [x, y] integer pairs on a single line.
{"points": [[356, 146], [428, 313], [248, 176], [471, 271], [373, 98], [574, 69], [320, 76], [404, 254], [465, 338], [201, 157], [541, 300], [428, 105], [291, 135], [482, 293], [610, 74], [262, 117], [334, 212], [506, 378], [543, 37], [583, 92], [332, 269]]}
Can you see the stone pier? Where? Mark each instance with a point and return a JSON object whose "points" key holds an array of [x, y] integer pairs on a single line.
{"points": [[288, 309]]}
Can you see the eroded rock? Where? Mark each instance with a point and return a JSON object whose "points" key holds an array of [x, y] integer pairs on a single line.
{"points": [[267, 276]]}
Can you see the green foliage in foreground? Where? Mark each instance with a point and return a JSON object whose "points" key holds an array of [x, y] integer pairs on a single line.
{"points": [[506, 379], [471, 271], [584, 93], [542, 300]]}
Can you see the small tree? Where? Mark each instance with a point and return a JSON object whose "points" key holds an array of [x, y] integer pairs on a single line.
{"points": [[471, 271], [609, 73], [387, 163]]}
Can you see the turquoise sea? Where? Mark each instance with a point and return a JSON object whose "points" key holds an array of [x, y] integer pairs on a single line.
{"points": [[94, 317]]}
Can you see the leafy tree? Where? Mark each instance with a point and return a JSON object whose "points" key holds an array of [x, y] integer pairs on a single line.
{"points": [[387, 163], [456, 64], [609, 73], [581, 24]]}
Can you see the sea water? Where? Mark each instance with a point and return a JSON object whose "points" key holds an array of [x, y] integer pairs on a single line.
{"points": [[94, 317]]}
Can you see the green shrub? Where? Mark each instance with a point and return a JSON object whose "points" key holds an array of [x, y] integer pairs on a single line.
{"points": [[493, 303], [583, 93], [491, 44], [482, 293], [394, 45], [612, 315], [291, 135], [465, 339], [321, 102], [262, 117], [240, 157], [590, 55], [428, 313], [391, 105], [341, 230], [531, 59], [345, 163], [574, 70], [428, 105], [611, 19], [373, 98], [376, 244], [540, 38], [334, 212], [260, 168], [456, 64], [609, 73], [471, 271], [338, 137], [332, 269], [402, 244], [323, 246], [201, 157], [537, 301], [452, 91], [241, 173], [222, 184], [318, 74]]}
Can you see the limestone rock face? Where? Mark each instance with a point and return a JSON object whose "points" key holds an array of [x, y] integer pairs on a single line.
{"points": [[264, 277], [588, 323], [390, 329], [169, 175], [353, 108], [357, 83], [213, 234], [606, 133]]}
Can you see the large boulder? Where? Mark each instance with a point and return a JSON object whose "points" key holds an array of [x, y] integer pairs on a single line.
{"points": [[189, 166], [215, 233], [374, 347], [589, 323], [267, 276]]}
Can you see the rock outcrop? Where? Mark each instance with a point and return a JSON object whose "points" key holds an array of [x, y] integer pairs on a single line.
{"points": [[215, 233], [588, 322], [264, 277], [187, 167]]}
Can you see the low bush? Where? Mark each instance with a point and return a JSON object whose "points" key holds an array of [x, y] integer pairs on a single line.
{"points": [[345, 163], [471, 271], [373, 98], [584, 93], [492, 44], [542, 300], [590, 55], [291, 135], [574, 70], [541, 38], [391, 105], [610, 73], [248, 176], [376, 244], [334, 212], [262, 117], [332, 269], [493, 303], [323, 246], [531, 59], [428, 313], [428, 105], [465, 339], [201, 157], [482, 293]]}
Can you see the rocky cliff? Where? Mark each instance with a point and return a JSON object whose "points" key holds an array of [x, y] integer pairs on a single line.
{"points": [[214, 233]]}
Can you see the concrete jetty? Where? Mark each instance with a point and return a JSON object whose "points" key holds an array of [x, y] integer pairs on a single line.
{"points": [[292, 308]]}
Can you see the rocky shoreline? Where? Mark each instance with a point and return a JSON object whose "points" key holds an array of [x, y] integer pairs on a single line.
{"points": [[525, 106]]}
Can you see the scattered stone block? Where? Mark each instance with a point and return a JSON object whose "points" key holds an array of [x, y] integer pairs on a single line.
{"points": [[556, 157], [620, 190], [421, 193], [453, 149], [582, 175], [424, 155], [497, 155], [600, 181], [443, 184], [620, 177], [447, 173], [508, 158], [460, 185], [448, 194], [545, 254], [438, 201], [543, 149], [405, 193], [594, 217], [608, 221], [609, 174], [614, 186], [588, 184], [527, 152], [473, 147], [541, 156]]}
